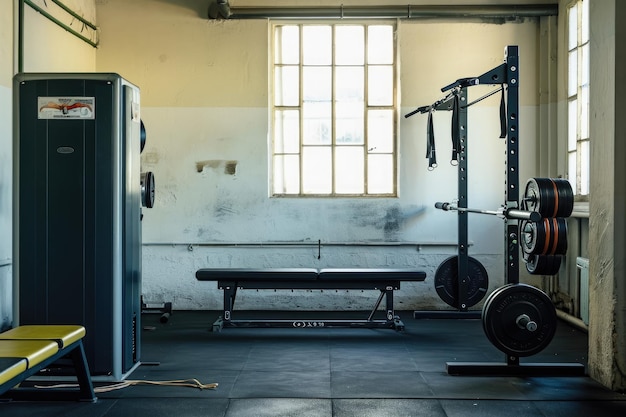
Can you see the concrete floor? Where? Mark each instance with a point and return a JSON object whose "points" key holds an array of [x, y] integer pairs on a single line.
{"points": [[342, 372]]}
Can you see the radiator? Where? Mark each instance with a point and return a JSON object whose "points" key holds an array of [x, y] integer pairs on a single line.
{"points": [[583, 266]]}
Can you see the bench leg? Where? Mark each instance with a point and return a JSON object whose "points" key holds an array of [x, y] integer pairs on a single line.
{"points": [[390, 311], [229, 302], [82, 373]]}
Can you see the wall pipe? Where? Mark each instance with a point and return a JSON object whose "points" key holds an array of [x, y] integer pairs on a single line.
{"points": [[61, 24], [20, 37], [222, 9], [75, 15]]}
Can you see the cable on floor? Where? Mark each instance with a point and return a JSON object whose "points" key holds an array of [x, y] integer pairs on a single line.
{"points": [[189, 383]]}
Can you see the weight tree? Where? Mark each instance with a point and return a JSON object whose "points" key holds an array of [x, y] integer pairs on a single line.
{"points": [[519, 319]]}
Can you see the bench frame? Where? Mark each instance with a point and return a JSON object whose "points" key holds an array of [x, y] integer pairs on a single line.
{"points": [[85, 392], [384, 280]]}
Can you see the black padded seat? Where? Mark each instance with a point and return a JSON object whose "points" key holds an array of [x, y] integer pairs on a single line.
{"points": [[371, 274], [261, 274]]}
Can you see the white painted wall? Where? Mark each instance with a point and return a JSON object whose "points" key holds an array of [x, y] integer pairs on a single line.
{"points": [[6, 72], [204, 87]]}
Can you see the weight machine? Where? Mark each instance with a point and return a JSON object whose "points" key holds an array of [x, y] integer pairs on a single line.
{"points": [[519, 319]]}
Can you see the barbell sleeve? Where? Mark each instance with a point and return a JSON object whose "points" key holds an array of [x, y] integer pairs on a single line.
{"points": [[533, 216]]}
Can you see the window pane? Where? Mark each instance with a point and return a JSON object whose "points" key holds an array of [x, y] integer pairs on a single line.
{"points": [[572, 73], [349, 123], [584, 168], [316, 170], [317, 123], [571, 170], [584, 70], [585, 22], [286, 131], [349, 84], [287, 45], [286, 86], [317, 83], [286, 174], [572, 131], [380, 174], [380, 85], [380, 131], [584, 112], [349, 45], [572, 28], [349, 176], [380, 45], [317, 45]]}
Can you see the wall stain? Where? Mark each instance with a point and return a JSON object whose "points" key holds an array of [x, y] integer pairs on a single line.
{"points": [[230, 167]]}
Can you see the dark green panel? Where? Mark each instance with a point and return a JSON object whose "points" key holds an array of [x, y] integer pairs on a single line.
{"points": [[75, 177]]}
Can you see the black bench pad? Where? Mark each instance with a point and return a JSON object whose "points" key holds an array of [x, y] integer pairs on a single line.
{"points": [[263, 274]]}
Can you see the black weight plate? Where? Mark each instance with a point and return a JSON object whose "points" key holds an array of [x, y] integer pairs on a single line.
{"points": [[539, 196], [447, 283], [565, 197], [533, 235], [147, 189], [142, 135], [500, 319], [543, 264]]}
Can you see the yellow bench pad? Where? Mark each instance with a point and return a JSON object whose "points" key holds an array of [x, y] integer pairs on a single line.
{"points": [[10, 368], [34, 351], [64, 335]]}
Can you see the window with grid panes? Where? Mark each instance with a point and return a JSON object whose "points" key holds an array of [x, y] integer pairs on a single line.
{"points": [[578, 97], [333, 110]]}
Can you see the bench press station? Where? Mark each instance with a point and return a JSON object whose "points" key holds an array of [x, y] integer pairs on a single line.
{"points": [[386, 280]]}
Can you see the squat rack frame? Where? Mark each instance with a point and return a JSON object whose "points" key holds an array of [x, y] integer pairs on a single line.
{"points": [[507, 75]]}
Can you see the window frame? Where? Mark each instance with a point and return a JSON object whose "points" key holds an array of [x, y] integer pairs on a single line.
{"points": [[334, 146], [581, 183]]}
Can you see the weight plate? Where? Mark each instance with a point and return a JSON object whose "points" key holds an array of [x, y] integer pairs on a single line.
{"points": [[520, 320], [566, 197], [545, 237], [142, 135], [543, 264], [447, 282], [551, 197], [147, 189]]}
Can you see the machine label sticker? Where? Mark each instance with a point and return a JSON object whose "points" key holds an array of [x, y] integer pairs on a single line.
{"points": [[66, 107]]}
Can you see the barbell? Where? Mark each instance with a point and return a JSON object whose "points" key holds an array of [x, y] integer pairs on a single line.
{"points": [[508, 213]]}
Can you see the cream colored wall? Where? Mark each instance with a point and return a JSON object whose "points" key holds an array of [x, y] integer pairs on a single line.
{"points": [[6, 73], [49, 48], [204, 87]]}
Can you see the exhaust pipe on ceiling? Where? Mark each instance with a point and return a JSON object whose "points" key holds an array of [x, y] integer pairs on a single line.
{"points": [[221, 9]]}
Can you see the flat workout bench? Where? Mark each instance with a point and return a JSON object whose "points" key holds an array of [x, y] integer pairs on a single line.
{"points": [[385, 280], [26, 350]]}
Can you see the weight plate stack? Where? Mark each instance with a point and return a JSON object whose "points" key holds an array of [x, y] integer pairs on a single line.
{"points": [[551, 197], [519, 320], [543, 264], [447, 282], [545, 237]]}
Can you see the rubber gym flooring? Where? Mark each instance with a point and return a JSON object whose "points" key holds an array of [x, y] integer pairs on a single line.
{"points": [[341, 372]]}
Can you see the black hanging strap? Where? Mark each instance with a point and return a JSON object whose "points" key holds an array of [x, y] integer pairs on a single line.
{"points": [[456, 131], [431, 154], [503, 128]]}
